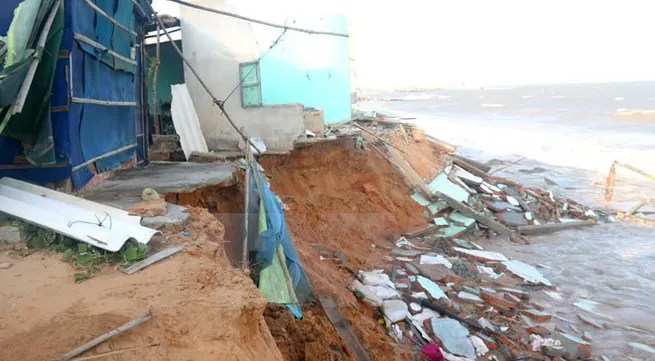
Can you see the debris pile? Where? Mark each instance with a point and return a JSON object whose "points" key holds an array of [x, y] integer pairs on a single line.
{"points": [[473, 304]]}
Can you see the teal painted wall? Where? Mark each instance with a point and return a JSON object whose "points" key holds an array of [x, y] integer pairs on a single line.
{"points": [[171, 72], [312, 70]]}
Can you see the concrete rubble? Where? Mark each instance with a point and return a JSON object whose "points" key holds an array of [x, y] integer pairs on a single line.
{"points": [[472, 303]]}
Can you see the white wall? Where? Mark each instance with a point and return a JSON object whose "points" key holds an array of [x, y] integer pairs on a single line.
{"points": [[215, 45]]}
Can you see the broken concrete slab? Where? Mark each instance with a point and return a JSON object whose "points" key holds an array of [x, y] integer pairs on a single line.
{"points": [[436, 272], [484, 256], [454, 337], [175, 219], [500, 206], [431, 288], [124, 188], [512, 218], [431, 259], [527, 272]]}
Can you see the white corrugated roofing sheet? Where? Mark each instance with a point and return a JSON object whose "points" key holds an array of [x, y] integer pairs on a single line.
{"points": [[186, 121], [90, 222]]}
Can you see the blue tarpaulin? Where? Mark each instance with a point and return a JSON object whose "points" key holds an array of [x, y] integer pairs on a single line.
{"points": [[275, 236]]}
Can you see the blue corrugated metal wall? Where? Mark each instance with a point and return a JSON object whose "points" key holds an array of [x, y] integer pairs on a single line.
{"points": [[89, 137]]}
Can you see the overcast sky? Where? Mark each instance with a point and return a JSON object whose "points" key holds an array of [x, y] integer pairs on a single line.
{"points": [[416, 43]]}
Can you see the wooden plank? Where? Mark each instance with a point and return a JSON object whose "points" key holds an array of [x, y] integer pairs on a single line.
{"points": [[103, 338], [553, 227], [408, 172], [152, 259], [344, 329], [470, 212]]}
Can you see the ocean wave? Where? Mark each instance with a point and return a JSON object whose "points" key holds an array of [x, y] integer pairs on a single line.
{"points": [[635, 113], [527, 96], [492, 105], [619, 98]]}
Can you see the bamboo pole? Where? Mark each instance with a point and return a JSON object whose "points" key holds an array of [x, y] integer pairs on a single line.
{"points": [[103, 338], [246, 210]]}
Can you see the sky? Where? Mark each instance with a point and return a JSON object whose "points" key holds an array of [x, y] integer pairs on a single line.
{"points": [[429, 43]]}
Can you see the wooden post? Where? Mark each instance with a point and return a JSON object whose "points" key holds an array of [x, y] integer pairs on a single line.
{"points": [[155, 104], [609, 183]]}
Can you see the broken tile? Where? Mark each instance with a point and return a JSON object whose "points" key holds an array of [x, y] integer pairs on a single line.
{"points": [[431, 288], [405, 252], [435, 259], [488, 271], [512, 218], [420, 199], [590, 321], [480, 348], [441, 221], [420, 295], [469, 297], [537, 315], [500, 206], [462, 243], [404, 259], [452, 231], [513, 201], [483, 256], [461, 219], [415, 307], [444, 185], [402, 241], [453, 336], [484, 323], [477, 246], [467, 177], [642, 347], [527, 272]]}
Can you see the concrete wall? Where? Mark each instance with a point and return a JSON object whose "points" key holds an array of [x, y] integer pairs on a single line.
{"points": [[215, 45], [309, 69]]}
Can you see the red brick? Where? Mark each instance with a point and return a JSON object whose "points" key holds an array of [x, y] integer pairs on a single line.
{"points": [[497, 300], [537, 315]]}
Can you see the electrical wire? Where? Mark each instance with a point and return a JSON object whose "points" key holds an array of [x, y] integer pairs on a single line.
{"points": [[237, 16]]}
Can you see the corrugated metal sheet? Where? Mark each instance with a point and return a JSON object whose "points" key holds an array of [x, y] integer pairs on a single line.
{"points": [[186, 121], [90, 222]]}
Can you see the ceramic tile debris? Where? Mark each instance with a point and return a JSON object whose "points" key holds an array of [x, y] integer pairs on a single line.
{"points": [[527, 272], [454, 337], [482, 255]]}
